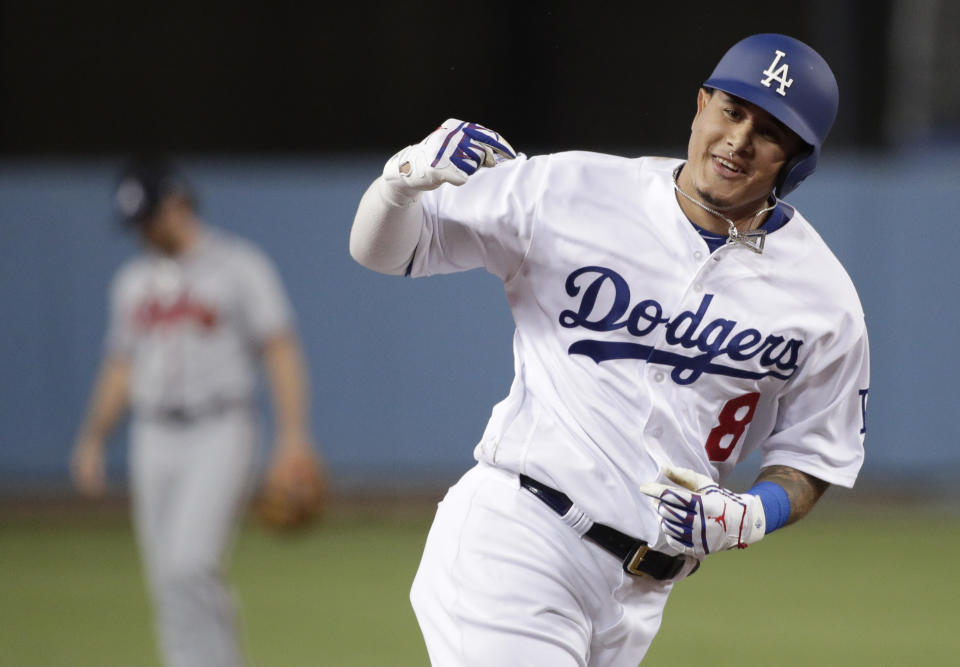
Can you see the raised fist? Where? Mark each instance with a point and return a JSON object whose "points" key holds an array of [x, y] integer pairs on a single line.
{"points": [[450, 154]]}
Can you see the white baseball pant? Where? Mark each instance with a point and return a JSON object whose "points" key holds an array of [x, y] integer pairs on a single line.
{"points": [[503, 581]]}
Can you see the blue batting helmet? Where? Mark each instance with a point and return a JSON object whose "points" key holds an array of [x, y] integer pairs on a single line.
{"points": [[143, 184], [791, 82]]}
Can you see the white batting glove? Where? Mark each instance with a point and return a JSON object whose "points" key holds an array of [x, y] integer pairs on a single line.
{"points": [[700, 517], [450, 154]]}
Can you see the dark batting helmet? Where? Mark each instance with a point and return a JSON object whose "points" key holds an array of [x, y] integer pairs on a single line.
{"points": [[790, 81], [143, 185]]}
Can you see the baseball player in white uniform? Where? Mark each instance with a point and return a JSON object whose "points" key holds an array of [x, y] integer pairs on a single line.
{"points": [[189, 320], [672, 316]]}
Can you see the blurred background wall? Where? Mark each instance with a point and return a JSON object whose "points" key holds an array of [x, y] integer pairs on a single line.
{"points": [[282, 116]]}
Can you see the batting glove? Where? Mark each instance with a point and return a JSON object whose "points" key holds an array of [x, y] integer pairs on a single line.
{"points": [[699, 517], [450, 154]]}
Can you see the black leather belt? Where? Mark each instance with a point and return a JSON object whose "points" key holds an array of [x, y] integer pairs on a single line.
{"points": [[184, 416], [637, 557]]}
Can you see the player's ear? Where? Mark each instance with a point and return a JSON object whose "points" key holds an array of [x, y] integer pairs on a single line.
{"points": [[703, 97]]}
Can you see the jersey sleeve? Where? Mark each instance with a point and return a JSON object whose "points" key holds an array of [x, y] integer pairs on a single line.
{"points": [[265, 308], [487, 222], [120, 323], [822, 418]]}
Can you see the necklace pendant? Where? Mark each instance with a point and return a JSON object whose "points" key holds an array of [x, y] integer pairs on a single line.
{"points": [[752, 239]]}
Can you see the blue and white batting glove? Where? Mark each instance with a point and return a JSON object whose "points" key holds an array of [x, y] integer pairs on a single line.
{"points": [[698, 517], [450, 154]]}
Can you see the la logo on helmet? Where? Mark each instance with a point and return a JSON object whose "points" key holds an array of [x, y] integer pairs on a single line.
{"points": [[778, 74]]}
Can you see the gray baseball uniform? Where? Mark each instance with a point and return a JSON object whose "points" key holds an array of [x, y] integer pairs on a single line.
{"points": [[191, 326]]}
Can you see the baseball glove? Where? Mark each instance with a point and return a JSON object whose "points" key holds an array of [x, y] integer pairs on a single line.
{"points": [[293, 494]]}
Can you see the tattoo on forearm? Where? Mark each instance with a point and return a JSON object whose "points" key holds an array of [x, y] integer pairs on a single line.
{"points": [[804, 490]]}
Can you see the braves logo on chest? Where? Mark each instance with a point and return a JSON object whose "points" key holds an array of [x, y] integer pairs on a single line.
{"points": [[715, 340], [154, 312]]}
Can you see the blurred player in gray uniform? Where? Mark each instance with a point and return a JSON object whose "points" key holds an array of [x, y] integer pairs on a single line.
{"points": [[672, 316], [190, 318]]}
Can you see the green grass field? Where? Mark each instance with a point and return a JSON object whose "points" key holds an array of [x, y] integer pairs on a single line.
{"points": [[852, 587]]}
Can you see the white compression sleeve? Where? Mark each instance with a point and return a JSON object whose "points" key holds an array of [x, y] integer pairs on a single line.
{"points": [[386, 229]]}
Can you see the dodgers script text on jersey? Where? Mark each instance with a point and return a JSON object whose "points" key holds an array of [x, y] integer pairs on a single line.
{"points": [[715, 338]]}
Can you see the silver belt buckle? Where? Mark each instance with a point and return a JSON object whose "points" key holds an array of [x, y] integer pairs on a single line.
{"points": [[635, 560]]}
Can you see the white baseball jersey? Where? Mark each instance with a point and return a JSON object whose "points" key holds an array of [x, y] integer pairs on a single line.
{"points": [[635, 346], [191, 324]]}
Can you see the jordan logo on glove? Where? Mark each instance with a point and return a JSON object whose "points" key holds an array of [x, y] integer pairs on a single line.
{"points": [[722, 519]]}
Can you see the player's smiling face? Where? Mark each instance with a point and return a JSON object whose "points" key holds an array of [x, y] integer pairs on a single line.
{"points": [[735, 152]]}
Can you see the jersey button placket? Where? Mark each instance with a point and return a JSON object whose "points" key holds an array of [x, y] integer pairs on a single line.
{"points": [[701, 273], [695, 287]]}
